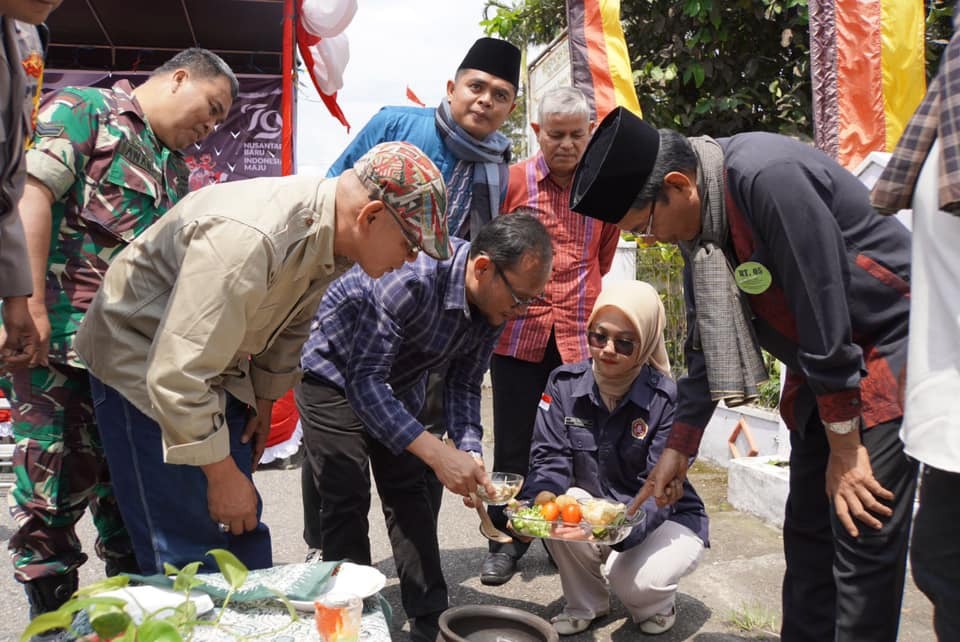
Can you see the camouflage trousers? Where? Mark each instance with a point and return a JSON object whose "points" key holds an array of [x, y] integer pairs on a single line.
{"points": [[60, 469]]}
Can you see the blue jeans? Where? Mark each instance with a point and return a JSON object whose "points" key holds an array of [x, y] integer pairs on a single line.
{"points": [[165, 505]]}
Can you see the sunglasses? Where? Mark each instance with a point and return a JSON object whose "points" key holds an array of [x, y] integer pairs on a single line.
{"points": [[518, 302], [412, 241], [623, 347]]}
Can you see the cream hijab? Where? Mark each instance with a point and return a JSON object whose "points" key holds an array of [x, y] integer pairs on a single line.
{"points": [[641, 304]]}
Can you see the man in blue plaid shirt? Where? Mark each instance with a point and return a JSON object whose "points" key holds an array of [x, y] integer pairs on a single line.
{"points": [[365, 364]]}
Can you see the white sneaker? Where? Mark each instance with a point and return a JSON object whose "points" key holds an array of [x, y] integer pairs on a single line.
{"points": [[659, 623]]}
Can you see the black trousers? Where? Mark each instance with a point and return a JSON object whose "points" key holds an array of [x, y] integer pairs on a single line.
{"points": [[431, 416], [341, 455], [837, 587], [935, 550], [517, 386]]}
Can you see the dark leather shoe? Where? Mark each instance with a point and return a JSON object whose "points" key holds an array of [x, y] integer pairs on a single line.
{"points": [[49, 593], [497, 569]]}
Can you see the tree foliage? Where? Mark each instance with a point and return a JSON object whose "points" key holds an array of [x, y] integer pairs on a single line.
{"points": [[709, 66]]}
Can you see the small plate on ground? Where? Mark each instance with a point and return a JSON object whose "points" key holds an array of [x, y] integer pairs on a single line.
{"points": [[351, 579]]}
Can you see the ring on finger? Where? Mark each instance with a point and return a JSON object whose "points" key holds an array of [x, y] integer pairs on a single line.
{"points": [[223, 528]]}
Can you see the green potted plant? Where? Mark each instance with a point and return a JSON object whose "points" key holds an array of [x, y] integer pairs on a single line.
{"points": [[110, 618]]}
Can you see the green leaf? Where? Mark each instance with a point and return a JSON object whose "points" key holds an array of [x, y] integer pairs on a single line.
{"points": [[158, 631], [109, 621], [233, 569], [170, 569], [78, 604], [183, 616], [185, 579], [44, 622], [109, 584]]}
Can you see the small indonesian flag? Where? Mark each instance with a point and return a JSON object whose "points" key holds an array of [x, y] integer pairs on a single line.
{"points": [[545, 401], [412, 97]]}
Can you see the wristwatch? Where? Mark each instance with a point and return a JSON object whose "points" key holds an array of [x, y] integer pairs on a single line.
{"points": [[843, 427]]}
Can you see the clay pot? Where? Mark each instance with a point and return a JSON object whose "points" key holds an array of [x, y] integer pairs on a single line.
{"points": [[491, 623]]}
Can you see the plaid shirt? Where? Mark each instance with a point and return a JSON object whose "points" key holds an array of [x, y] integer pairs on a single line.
{"points": [[938, 116], [376, 339], [583, 250]]}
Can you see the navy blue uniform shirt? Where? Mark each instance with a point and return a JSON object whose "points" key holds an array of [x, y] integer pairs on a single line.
{"points": [[578, 442]]}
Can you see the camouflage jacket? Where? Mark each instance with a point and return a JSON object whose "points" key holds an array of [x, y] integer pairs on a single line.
{"points": [[21, 67], [111, 177]]}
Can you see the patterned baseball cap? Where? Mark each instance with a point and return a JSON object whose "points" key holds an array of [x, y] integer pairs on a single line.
{"points": [[410, 186]]}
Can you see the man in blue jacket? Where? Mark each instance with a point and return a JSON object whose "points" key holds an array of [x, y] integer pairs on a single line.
{"points": [[460, 136]]}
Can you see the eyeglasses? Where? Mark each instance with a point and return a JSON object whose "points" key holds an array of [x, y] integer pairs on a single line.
{"points": [[623, 347], [653, 208], [413, 241], [648, 232], [518, 302]]}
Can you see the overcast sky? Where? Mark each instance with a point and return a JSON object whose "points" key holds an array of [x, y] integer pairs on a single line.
{"points": [[415, 43]]}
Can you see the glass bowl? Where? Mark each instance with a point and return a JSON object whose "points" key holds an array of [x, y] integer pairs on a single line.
{"points": [[507, 486], [608, 534]]}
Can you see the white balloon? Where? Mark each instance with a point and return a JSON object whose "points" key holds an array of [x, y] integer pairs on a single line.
{"points": [[330, 57], [327, 18]]}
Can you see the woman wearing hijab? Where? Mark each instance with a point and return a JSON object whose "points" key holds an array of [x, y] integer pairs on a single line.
{"points": [[601, 426]]}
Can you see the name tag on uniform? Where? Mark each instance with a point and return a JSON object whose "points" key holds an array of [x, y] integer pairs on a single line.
{"points": [[135, 154], [752, 277], [577, 421]]}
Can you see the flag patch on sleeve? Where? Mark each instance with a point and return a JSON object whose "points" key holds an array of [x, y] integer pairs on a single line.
{"points": [[545, 401]]}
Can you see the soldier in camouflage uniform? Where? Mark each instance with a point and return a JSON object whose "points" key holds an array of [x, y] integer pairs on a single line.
{"points": [[98, 176]]}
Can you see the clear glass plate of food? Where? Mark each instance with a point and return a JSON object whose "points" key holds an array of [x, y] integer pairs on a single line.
{"points": [[507, 486], [600, 521]]}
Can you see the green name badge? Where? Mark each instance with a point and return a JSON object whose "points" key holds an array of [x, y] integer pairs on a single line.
{"points": [[752, 277]]}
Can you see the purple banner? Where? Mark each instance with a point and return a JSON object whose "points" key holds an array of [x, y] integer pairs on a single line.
{"points": [[246, 145]]}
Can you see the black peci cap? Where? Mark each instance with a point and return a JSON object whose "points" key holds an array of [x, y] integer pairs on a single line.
{"points": [[496, 57], [615, 166]]}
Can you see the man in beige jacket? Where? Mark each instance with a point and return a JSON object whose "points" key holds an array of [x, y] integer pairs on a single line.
{"points": [[199, 324]]}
